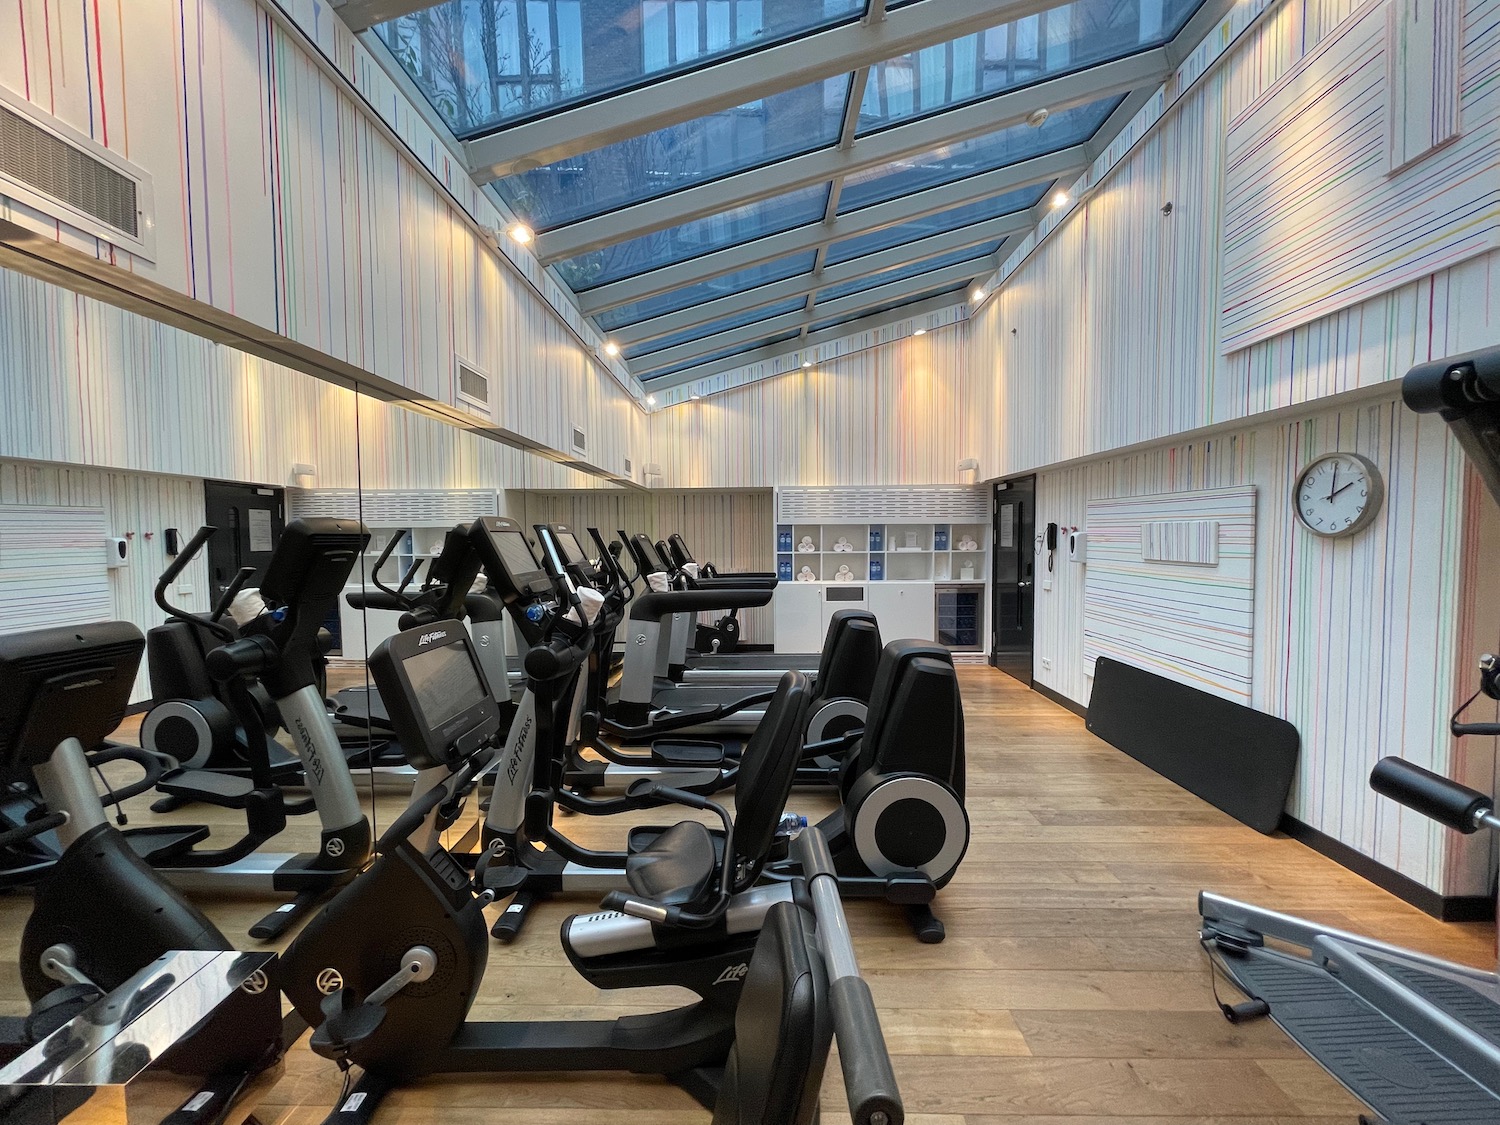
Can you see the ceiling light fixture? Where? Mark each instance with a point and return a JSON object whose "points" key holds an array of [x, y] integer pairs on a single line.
{"points": [[650, 400], [1060, 199], [920, 332], [695, 398], [807, 363], [520, 232], [1037, 117], [611, 348], [976, 296]]}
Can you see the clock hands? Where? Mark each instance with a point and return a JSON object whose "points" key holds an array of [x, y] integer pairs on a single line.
{"points": [[1333, 489], [1334, 493]]}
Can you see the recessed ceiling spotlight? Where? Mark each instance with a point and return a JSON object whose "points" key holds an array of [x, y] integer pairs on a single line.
{"points": [[650, 400], [920, 332], [611, 348], [695, 398], [1037, 117], [520, 232], [1060, 199], [806, 363], [977, 296]]}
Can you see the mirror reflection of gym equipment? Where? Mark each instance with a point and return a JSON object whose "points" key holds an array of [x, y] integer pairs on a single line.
{"points": [[579, 560]]}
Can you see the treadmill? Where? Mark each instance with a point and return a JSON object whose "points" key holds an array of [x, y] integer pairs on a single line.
{"points": [[731, 667], [649, 701]]}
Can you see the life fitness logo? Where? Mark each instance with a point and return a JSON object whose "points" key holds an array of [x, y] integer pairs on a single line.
{"points": [[428, 638], [330, 981], [733, 974]]}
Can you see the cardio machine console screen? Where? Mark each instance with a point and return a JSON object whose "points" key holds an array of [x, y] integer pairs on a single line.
{"points": [[443, 682], [439, 706]]}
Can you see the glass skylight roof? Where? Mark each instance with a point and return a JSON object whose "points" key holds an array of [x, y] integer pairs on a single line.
{"points": [[697, 361], [1050, 43], [901, 273], [486, 63], [888, 307], [690, 295], [680, 156], [982, 154], [709, 328], [489, 65], [940, 223], [692, 240]]}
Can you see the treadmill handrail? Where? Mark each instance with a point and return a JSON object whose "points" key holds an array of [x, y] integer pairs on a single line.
{"points": [[656, 606]]}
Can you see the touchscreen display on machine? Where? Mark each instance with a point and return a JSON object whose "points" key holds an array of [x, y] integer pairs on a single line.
{"points": [[574, 548], [444, 683], [517, 555]]}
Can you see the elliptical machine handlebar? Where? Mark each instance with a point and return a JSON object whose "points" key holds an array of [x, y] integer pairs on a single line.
{"points": [[169, 576]]}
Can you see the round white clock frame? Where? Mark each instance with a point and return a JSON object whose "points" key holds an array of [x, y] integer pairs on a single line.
{"points": [[1330, 516]]}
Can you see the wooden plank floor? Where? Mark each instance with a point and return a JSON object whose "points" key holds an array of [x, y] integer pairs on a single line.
{"points": [[1071, 988]]}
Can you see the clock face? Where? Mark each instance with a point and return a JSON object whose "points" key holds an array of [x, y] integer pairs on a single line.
{"points": [[1338, 494]]}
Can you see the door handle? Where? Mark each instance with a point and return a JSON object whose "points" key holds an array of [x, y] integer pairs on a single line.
{"points": [[1022, 585]]}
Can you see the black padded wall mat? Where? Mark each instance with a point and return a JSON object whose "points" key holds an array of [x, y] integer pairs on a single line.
{"points": [[1236, 758]]}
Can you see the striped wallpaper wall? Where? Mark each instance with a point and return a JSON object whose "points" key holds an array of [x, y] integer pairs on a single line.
{"points": [[1356, 642], [135, 505], [281, 200], [733, 530]]}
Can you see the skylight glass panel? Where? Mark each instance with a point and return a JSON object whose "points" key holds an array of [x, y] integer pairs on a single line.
{"points": [[1062, 129], [709, 328], [901, 273], [756, 345], [487, 63], [692, 240], [878, 309], [675, 299], [680, 156], [1044, 45], [940, 223]]}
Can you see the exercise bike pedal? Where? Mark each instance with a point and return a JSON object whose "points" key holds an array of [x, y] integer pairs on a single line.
{"points": [[508, 926]]}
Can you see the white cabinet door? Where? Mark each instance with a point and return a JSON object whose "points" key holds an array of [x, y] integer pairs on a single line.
{"points": [[904, 610], [797, 616], [837, 596]]}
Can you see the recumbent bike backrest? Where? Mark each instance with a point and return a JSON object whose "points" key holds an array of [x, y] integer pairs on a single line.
{"points": [[768, 767]]}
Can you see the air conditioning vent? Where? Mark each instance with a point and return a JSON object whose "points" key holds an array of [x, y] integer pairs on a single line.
{"points": [[629, 473], [580, 441], [471, 389], [47, 165]]}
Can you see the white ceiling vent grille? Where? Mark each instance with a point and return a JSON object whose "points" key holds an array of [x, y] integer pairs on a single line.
{"points": [[822, 505], [471, 389], [580, 441], [50, 166], [629, 471]]}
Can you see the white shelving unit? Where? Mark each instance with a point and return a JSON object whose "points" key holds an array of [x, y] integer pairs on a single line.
{"points": [[916, 557]]}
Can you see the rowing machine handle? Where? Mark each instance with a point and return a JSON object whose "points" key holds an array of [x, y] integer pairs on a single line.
{"points": [[1431, 794]]}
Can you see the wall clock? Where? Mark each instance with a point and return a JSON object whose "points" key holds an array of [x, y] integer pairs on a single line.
{"points": [[1338, 494]]}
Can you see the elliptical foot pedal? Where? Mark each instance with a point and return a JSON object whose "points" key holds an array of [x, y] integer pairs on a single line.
{"points": [[226, 790], [686, 752], [276, 923], [159, 845]]}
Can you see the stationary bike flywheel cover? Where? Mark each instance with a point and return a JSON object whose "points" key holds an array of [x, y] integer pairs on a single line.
{"points": [[911, 823]]}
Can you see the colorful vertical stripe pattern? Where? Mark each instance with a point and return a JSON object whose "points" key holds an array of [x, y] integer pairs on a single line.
{"points": [[282, 198], [1175, 614], [1356, 641], [1319, 212]]}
